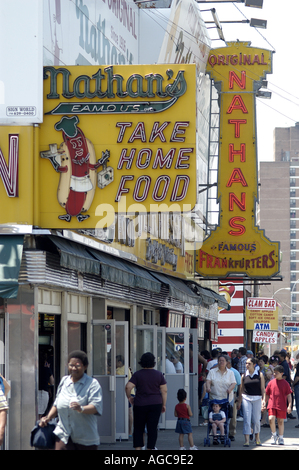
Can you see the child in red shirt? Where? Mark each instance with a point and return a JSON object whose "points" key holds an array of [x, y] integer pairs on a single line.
{"points": [[183, 412], [278, 393]]}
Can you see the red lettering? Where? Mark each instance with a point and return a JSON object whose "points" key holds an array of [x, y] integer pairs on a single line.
{"points": [[271, 254], [201, 258], [138, 133], [178, 131], [256, 60], [241, 82], [147, 182], [123, 126], [209, 261], [158, 131], [265, 261], [126, 158], [181, 180], [233, 199], [182, 157], [121, 189], [224, 263], [233, 152], [240, 229], [161, 179], [237, 123], [237, 104], [148, 155], [163, 161]]}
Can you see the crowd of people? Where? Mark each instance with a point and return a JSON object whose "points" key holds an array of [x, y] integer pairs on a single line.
{"points": [[261, 390]]}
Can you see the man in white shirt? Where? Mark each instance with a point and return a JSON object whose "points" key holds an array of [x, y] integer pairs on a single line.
{"points": [[214, 362], [169, 367]]}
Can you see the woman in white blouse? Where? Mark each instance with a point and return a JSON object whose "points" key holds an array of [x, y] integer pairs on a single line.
{"points": [[221, 381]]}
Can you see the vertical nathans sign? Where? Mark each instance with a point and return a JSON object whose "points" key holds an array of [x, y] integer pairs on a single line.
{"points": [[238, 246]]}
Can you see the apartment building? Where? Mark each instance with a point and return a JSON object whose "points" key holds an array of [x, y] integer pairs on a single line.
{"points": [[278, 214]]}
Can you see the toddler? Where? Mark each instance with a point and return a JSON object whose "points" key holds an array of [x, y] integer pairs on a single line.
{"points": [[217, 418]]}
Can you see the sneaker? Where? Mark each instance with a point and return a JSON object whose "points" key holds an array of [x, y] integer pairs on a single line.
{"points": [[273, 439], [280, 441], [193, 448], [182, 448]]}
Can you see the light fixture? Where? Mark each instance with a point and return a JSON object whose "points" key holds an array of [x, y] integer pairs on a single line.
{"points": [[256, 23], [248, 3], [217, 23], [264, 94], [254, 3]]}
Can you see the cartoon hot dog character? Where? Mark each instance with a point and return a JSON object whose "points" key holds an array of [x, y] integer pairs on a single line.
{"points": [[75, 160]]}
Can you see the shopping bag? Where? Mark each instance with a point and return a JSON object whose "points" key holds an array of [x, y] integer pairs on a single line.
{"points": [[43, 438]]}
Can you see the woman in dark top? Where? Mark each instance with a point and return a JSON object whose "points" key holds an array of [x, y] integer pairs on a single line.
{"points": [[252, 392], [149, 401]]}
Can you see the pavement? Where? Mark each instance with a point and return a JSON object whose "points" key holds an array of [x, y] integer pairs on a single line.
{"points": [[168, 440]]}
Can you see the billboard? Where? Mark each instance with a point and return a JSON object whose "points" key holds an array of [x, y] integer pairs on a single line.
{"points": [[261, 314], [21, 84], [231, 322], [237, 245], [291, 326], [85, 32], [118, 139], [187, 41], [264, 337]]}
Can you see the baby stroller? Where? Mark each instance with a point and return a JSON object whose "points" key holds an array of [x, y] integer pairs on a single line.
{"points": [[225, 408]]}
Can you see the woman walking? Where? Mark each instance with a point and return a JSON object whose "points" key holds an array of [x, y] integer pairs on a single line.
{"points": [[78, 401], [149, 401], [252, 393]]}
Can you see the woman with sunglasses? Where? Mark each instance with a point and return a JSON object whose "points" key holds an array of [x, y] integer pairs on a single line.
{"points": [[78, 401]]}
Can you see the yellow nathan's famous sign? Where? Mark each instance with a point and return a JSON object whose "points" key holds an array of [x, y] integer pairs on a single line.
{"points": [[238, 246], [116, 139]]}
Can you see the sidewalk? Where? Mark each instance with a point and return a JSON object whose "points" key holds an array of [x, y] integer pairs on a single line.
{"points": [[168, 440]]}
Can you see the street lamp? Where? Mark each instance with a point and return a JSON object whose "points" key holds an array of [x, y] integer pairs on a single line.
{"points": [[248, 3], [281, 334], [282, 288], [255, 23]]}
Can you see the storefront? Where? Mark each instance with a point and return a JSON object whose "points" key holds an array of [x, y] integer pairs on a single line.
{"points": [[76, 295]]}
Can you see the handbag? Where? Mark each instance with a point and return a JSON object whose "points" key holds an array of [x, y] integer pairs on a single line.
{"points": [[43, 438]]}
